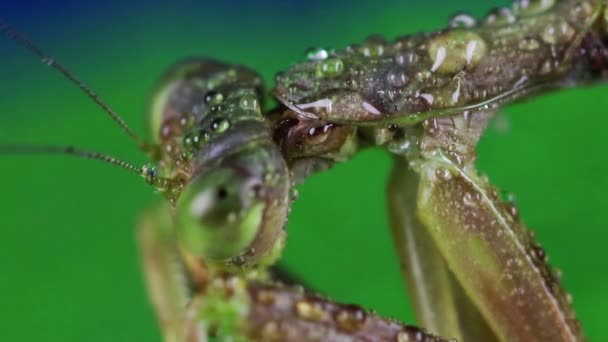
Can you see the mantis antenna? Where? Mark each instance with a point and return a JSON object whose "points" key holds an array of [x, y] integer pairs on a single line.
{"points": [[22, 40], [147, 171]]}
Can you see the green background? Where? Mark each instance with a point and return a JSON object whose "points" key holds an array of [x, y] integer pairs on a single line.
{"points": [[69, 262]]}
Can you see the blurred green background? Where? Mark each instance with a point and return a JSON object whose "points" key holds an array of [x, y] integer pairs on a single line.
{"points": [[69, 262]]}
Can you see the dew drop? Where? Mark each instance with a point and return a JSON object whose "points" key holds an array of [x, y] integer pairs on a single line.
{"points": [[188, 140], [410, 334], [184, 120], [294, 194], [561, 32], [249, 102], [532, 7], [499, 16], [330, 67], [406, 58], [431, 126], [373, 46], [512, 210], [220, 125], [462, 20], [316, 54], [454, 50], [549, 35], [213, 98], [310, 311], [443, 174], [351, 319]]}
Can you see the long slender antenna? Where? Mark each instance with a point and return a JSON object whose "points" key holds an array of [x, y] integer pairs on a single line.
{"points": [[147, 171], [22, 40]]}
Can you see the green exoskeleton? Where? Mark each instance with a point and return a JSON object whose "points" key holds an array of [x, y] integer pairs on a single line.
{"points": [[227, 169]]}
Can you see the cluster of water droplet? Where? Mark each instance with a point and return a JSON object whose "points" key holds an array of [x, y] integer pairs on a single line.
{"points": [[471, 62], [349, 320]]}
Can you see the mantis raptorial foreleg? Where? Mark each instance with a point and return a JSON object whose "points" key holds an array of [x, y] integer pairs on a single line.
{"points": [[193, 301], [165, 274], [482, 240], [439, 302]]}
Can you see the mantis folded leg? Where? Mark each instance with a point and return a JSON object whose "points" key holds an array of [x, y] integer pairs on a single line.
{"points": [[195, 301], [483, 242], [440, 303], [165, 272]]}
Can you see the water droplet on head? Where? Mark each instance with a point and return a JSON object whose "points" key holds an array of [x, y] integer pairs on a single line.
{"points": [[316, 54], [198, 139], [220, 125], [213, 98], [462, 20], [373, 46], [330, 67], [532, 7], [249, 102]]}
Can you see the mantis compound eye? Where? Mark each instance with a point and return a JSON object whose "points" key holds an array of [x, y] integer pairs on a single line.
{"points": [[234, 212], [220, 214]]}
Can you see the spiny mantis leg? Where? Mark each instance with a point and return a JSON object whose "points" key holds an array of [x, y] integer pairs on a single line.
{"points": [[488, 249], [440, 304], [194, 302], [169, 287]]}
